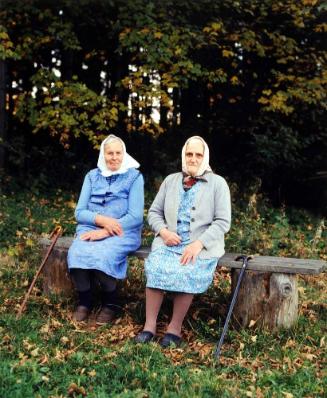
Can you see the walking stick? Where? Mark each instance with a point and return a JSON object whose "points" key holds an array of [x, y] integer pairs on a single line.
{"points": [[232, 304], [54, 236]]}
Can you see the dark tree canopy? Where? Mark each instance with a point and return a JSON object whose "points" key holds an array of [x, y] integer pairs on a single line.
{"points": [[249, 76]]}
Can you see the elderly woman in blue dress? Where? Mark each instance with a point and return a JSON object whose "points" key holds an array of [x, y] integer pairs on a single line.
{"points": [[190, 215], [109, 213]]}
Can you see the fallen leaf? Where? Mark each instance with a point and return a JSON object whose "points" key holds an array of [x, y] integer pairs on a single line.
{"points": [[64, 340], [27, 345], [35, 352], [301, 290], [259, 393], [290, 343], [310, 357], [45, 329], [55, 324], [252, 323], [74, 388], [44, 360], [288, 394], [29, 242]]}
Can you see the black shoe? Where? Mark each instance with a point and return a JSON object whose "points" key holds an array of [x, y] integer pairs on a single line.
{"points": [[170, 339], [144, 337]]}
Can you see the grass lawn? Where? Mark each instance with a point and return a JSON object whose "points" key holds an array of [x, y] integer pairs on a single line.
{"points": [[45, 354]]}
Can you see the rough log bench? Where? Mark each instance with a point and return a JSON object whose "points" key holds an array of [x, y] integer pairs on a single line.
{"points": [[268, 293]]}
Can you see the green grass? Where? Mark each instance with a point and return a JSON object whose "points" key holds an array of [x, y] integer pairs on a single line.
{"points": [[44, 354]]}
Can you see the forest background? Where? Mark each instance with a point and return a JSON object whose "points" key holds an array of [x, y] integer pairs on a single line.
{"points": [[248, 76]]}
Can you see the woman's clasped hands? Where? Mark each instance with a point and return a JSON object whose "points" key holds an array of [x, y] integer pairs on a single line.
{"points": [[110, 227], [113, 227]]}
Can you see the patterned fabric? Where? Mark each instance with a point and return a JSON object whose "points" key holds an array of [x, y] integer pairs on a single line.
{"points": [[188, 182], [109, 197], [163, 268]]}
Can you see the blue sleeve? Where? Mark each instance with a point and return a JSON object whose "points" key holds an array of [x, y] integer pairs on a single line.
{"points": [[82, 214], [134, 216]]}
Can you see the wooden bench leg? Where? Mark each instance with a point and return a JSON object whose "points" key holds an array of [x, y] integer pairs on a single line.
{"points": [[55, 274], [270, 299]]}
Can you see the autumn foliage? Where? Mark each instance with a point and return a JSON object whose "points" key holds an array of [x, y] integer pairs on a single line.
{"points": [[250, 76]]}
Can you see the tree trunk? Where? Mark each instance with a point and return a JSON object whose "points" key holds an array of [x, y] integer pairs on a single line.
{"points": [[176, 107], [269, 299], [3, 124], [117, 69], [189, 105], [67, 65]]}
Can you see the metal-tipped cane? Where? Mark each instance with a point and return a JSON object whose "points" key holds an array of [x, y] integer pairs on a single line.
{"points": [[232, 304]]}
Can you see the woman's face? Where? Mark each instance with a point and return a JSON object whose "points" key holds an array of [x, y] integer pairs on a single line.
{"points": [[113, 155], [194, 156]]}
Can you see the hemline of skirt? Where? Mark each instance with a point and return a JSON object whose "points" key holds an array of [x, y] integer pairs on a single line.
{"points": [[97, 269], [177, 290]]}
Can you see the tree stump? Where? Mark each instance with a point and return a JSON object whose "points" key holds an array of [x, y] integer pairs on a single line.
{"points": [[55, 275], [269, 299]]}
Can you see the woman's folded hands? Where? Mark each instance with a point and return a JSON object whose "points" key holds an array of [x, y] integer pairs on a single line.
{"points": [[110, 224], [109, 227], [98, 234]]}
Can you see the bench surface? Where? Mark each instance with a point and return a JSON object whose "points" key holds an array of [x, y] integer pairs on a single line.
{"points": [[287, 265]]}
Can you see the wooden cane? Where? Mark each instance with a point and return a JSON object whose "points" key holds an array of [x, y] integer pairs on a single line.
{"points": [[54, 236]]}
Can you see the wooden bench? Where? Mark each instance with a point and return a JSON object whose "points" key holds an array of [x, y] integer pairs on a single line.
{"points": [[268, 295]]}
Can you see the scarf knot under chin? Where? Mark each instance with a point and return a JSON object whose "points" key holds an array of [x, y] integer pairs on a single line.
{"points": [[189, 181]]}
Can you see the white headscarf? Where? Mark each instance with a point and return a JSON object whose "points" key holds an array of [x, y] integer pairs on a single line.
{"points": [[127, 163], [204, 166]]}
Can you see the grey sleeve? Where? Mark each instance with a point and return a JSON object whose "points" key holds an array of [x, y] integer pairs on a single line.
{"points": [[222, 214]]}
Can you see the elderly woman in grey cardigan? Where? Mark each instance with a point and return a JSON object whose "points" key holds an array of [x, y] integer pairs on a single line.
{"points": [[190, 215]]}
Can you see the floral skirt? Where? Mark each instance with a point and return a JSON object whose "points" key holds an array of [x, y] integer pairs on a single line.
{"points": [[164, 271]]}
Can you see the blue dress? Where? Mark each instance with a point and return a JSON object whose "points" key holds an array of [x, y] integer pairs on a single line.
{"points": [[121, 197], [163, 268]]}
